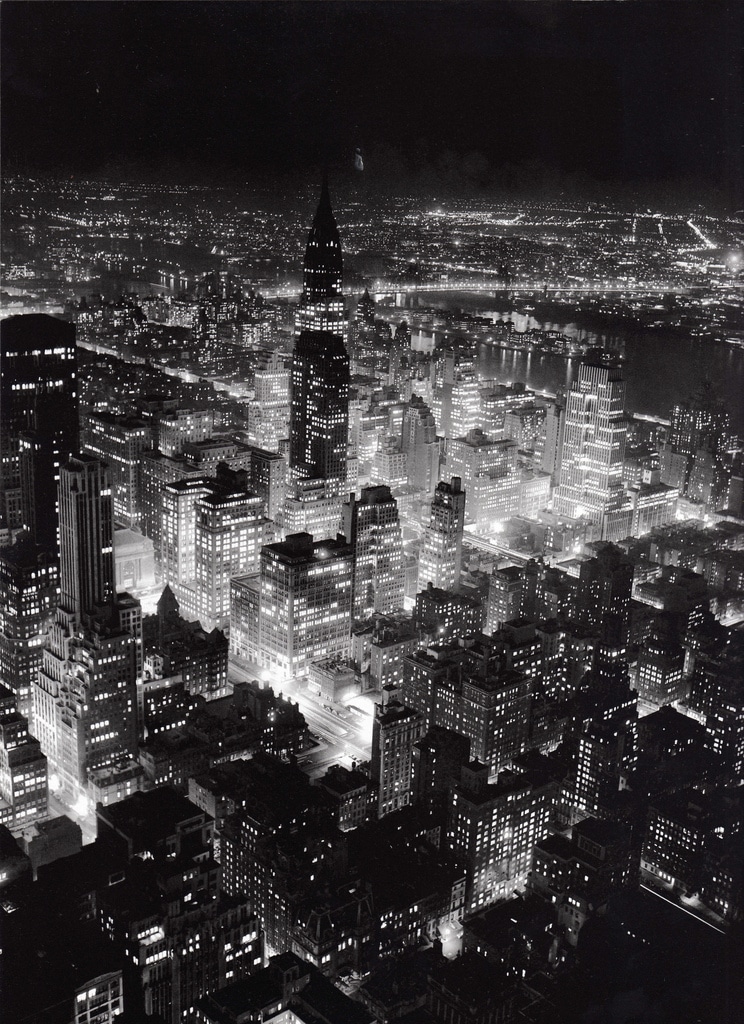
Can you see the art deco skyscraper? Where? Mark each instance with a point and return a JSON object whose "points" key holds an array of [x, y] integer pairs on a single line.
{"points": [[319, 413], [594, 437], [321, 302], [38, 419], [319, 424]]}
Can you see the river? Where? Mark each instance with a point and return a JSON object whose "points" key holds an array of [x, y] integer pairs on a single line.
{"points": [[661, 368]]}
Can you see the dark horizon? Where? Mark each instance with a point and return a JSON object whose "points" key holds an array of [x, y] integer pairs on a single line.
{"points": [[588, 98]]}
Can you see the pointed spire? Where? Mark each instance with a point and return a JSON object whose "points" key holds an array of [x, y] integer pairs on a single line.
{"points": [[324, 213]]}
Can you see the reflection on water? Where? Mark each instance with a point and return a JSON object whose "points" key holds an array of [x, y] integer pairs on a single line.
{"points": [[659, 369]]}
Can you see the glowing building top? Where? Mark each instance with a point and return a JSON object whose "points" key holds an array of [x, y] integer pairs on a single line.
{"points": [[321, 303]]}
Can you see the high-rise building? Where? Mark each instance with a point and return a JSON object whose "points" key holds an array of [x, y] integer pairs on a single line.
{"points": [[395, 732], [85, 696], [195, 941], [268, 413], [594, 437], [494, 828], [700, 422], [441, 549], [157, 470], [389, 464], [213, 530], [178, 530], [525, 425], [305, 603], [372, 528], [602, 595], [489, 474], [476, 689], [456, 396], [446, 614], [119, 442], [86, 528], [319, 420], [608, 744], [173, 428], [231, 530], [419, 442], [39, 406], [319, 411], [23, 768], [268, 479], [29, 588], [504, 597], [321, 303], [312, 510], [661, 662]]}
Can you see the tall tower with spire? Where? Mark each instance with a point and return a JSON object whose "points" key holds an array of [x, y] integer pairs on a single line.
{"points": [[319, 412], [321, 303]]}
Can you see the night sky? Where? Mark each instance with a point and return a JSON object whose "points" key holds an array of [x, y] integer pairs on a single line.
{"points": [[633, 93]]}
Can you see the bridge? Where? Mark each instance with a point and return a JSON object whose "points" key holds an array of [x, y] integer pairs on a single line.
{"points": [[386, 289]]}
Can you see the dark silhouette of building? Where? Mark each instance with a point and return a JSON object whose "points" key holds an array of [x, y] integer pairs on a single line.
{"points": [[39, 427], [319, 414], [319, 410]]}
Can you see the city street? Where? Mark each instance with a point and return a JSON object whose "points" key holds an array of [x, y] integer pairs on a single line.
{"points": [[345, 737]]}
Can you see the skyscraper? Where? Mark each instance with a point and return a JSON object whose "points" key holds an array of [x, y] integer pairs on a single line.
{"points": [[231, 530], [319, 411], [29, 589], [319, 421], [23, 767], [213, 529], [119, 441], [490, 476], [693, 458], [494, 827], [419, 442], [701, 421], [395, 731], [86, 529], [441, 550], [321, 303], [85, 696], [38, 419], [593, 443], [372, 527], [305, 603]]}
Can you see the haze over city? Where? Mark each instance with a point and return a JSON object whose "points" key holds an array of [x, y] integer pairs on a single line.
{"points": [[371, 512]]}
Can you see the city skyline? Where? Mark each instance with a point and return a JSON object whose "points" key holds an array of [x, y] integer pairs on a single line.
{"points": [[371, 514]]}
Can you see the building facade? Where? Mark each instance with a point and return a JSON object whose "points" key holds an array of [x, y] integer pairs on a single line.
{"points": [[441, 548], [594, 436], [372, 528], [305, 603]]}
